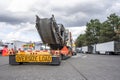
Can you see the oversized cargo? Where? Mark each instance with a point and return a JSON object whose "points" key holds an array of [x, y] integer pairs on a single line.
{"points": [[53, 35]]}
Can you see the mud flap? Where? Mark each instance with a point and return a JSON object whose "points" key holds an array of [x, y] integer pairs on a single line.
{"points": [[65, 57], [12, 60]]}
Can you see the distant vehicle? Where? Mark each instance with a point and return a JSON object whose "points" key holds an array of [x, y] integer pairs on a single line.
{"points": [[79, 50], [74, 50], [85, 49]]}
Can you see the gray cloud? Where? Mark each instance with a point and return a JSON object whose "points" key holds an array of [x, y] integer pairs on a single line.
{"points": [[75, 15], [16, 18], [10, 19], [91, 10]]}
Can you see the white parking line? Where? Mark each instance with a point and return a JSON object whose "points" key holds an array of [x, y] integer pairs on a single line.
{"points": [[84, 56]]}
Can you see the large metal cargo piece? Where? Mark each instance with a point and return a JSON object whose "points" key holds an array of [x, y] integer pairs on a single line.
{"points": [[55, 35], [50, 32], [112, 47]]}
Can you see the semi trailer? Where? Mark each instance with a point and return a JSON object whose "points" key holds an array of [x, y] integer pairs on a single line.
{"points": [[112, 47]]}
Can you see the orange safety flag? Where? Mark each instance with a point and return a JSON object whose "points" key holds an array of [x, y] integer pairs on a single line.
{"points": [[11, 51], [5, 52], [64, 50]]}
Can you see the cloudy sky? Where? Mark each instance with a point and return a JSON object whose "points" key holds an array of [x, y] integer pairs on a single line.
{"points": [[17, 17]]}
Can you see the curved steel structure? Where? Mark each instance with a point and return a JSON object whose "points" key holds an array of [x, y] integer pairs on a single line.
{"points": [[50, 32]]}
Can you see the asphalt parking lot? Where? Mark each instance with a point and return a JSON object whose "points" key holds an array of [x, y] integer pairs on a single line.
{"points": [[79, 67]]}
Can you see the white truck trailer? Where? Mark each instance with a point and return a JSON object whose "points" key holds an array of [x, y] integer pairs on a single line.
{"points": [[112, 47], [84, 49], [15, 45], [87, 49]]}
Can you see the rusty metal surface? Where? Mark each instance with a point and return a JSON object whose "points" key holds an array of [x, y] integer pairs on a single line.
{"points": [[45, 31], [49, 31]]}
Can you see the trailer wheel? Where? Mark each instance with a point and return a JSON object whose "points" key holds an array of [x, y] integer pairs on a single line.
{"points": [[20, 63]]}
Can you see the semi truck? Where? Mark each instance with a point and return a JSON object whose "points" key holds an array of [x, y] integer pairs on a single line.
{"points": [[84, 49], [87, 49], [53, 35], [112, 47]]}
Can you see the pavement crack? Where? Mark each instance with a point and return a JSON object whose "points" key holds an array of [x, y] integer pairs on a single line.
{"points": [[85, 78]]}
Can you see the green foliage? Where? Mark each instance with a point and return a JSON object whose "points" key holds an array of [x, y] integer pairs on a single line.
{"points": [[114, 20], [92, 31], [97, 32], [80, 41], [106, 32]]}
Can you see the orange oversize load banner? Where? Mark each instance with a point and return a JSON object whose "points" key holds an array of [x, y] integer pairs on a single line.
{"points": [[64, 50]]}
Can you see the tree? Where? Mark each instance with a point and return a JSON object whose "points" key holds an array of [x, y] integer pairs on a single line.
{"points": [[114, 20], [93, 31], [81, 40], [97, 32], [106, 32]]}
